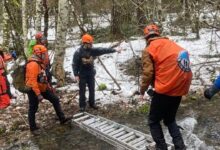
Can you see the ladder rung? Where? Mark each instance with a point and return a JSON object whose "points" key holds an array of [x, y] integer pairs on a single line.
{"points": [[125, 136], [89, 121], [110, 130], [77, 115], [136, 140], [116, 131], [140, 143], [119, 134], [103, 126], [81, 118], [107, 128], [99, 124], [128, 138], [143, 148], [95, 123]]}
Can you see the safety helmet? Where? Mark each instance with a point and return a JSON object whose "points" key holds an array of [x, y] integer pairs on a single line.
{"points": [[39, 49], [87, 38], [38, 35], [150, 30]]}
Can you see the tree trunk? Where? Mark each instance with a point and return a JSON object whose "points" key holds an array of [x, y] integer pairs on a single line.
{"points": [[141, 18], [1, 17], [60, 44], [115, 19], [38, 15], [77, 17], [15, 25], [159, 11], [46, 19], [6, 33], [186, 10], [84, 11], [24, 25]]}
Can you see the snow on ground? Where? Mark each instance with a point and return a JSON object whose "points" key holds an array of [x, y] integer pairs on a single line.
{"points": [[196, 48]]}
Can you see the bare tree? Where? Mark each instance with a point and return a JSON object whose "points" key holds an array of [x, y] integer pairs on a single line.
{"points": [[24, 25], [46, 18], [6, 33], [60, 44], [159, 11], [141, 17], [84, 11], [38, 15], [115, 22]]}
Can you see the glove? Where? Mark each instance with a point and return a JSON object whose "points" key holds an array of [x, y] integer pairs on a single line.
{"points": [[150, 92], [40, 98], [210, 92]]}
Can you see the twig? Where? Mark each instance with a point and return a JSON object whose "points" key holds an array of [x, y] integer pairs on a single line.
{"points": [[21, 117]]}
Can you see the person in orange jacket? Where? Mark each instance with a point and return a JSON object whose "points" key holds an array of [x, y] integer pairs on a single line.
{"points": [[4, 58], [4, 91], [166, 66], [36, 79]]}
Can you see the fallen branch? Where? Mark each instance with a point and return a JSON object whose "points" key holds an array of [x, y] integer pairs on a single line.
{"points": [[119, 88]]}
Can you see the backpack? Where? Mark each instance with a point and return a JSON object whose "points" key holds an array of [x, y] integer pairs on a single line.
{"points": [[18, 76]]}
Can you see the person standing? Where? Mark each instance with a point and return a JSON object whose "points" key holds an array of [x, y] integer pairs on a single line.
{"points": [[40, 89], [83, 69], [166, 66]]}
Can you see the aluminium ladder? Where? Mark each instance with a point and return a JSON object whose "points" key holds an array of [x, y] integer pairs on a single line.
{"points": [[120, 136]]}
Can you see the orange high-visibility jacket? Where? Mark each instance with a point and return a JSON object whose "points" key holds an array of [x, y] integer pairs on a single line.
{"points": [[33, 69], [168, 76]]}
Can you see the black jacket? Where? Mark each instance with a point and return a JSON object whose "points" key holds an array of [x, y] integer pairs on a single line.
{"points": [[83, 60]]}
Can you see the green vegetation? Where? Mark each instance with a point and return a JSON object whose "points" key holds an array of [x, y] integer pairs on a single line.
{"points": [[102, 87]]}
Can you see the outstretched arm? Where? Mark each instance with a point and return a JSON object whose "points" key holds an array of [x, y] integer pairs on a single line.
{"points": [[101, 51]]}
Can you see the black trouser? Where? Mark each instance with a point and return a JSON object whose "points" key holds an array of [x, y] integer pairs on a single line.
{"points": [[33, 106], [8, 87], [90, 81], [164, 108]]}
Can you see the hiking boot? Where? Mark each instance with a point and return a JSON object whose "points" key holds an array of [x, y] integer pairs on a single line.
{"points": [[94, 107], [65, 120]]}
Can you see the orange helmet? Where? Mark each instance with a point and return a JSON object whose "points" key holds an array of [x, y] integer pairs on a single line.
{"points": [[151, 29], [87, 38], [39, 49], [38, 35]]}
